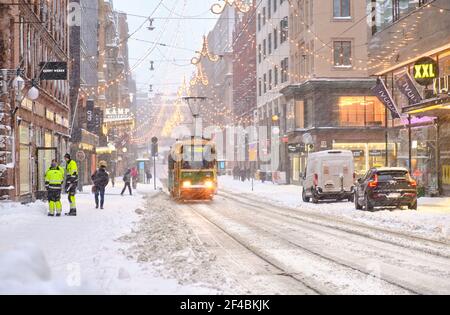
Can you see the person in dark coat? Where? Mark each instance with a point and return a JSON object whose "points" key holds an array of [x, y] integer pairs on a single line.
{"points": [[100, 179], [127, 181], [242, 174]]}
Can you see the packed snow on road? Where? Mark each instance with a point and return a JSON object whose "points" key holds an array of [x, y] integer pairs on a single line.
{"points": [[260, 241]]}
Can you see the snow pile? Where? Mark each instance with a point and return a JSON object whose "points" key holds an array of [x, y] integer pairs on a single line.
{"points": [[166, 241], [25, 270]]}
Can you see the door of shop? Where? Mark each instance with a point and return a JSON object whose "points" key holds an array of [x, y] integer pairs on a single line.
{"points": [[44, 157]]}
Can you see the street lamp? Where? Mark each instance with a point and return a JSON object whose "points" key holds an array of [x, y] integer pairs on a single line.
{"points": [[194, 106]]}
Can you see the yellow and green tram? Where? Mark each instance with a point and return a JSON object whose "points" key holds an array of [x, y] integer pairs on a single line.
{"points": [[193, 169]]}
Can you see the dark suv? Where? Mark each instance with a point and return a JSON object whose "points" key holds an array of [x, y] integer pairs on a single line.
{"points": [[386, 187]]}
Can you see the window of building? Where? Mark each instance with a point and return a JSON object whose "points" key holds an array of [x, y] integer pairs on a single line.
{"points": [[385, 12], [270, 79], [265, 83], [341, 8], [342, 53], [259, 21], [284, 30], [284, 70], [275, 39], [259, 53], [260, 87], [264, 16], [269, 9], [275, 76], [270, 43], [264, 48], [361, 111], [275, 5]]}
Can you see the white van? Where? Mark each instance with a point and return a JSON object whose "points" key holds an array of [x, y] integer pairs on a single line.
{"points": [[329, 175]]}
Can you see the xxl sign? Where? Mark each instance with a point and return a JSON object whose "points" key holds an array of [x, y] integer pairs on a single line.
{"points": [[425, 71]]}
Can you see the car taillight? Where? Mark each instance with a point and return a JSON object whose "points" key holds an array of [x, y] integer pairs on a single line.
{"points": [[316, 180], [374, 182]]}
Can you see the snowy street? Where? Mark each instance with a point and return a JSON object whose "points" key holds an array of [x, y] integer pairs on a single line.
{"points": [[265, 242], [81, 255]]}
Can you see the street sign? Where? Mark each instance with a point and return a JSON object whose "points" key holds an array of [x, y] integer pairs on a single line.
{"points": [[53, 71], [155, 149], [81, 156]]}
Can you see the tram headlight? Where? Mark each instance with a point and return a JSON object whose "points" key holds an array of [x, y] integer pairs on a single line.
{"points": [[209, 184], [187, 184]]}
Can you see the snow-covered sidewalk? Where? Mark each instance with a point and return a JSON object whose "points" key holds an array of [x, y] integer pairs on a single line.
{"points": [[431, 220], [80, 255]]}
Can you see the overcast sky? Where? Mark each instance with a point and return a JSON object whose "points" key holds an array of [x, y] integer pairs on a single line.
{"points": [[179, 23]]}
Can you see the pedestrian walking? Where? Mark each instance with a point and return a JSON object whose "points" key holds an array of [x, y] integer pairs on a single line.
{"points": [[135, 177], [54, 179], [71, 183], [100, 179], [242, 174], [113, 176], [127, 181], [149, 176]]}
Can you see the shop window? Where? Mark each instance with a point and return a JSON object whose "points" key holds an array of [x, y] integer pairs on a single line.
{"points": [[25, 159], [309, 114], [361, 111]]}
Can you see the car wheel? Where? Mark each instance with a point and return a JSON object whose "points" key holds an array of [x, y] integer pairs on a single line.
{"points": [[304, 197], [368, 205], [413, 206], [351, 198], [357, 205], [315, 200]]}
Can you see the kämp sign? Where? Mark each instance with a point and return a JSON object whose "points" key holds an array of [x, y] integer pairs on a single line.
{"points": [[53, 71]]}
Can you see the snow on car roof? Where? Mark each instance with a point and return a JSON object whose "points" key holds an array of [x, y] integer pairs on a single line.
{"points": [[384, 169]]}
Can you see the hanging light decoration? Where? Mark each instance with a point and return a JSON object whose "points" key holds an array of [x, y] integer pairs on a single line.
{"points": [[205, 53], [240, 5], [200, 77]]}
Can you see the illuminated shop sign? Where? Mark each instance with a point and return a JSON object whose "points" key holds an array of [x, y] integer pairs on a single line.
{"points": [[440, 85], [426, 70]]}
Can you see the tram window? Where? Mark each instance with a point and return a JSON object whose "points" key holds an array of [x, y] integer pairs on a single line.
{"points": [[171, 162]]}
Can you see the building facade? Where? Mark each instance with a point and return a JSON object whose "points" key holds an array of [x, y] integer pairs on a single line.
{"points": [[272, 64], [244, 80], [34, 132], [218, 86], [328, 102], [412, 39], [116, 90], [86, 115]]}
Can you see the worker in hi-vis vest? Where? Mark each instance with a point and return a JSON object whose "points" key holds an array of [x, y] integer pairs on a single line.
{"points": [[71, 183], [54, 179]]}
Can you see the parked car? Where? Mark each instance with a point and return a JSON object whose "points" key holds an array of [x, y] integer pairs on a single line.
{"points": [[386, 187], [329, 175]]}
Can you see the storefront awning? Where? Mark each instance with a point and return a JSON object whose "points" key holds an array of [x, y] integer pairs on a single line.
{"points": [[436, 107]]}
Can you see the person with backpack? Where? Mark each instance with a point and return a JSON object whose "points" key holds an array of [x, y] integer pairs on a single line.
{"points": [[100, 179], [127, 181]]}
